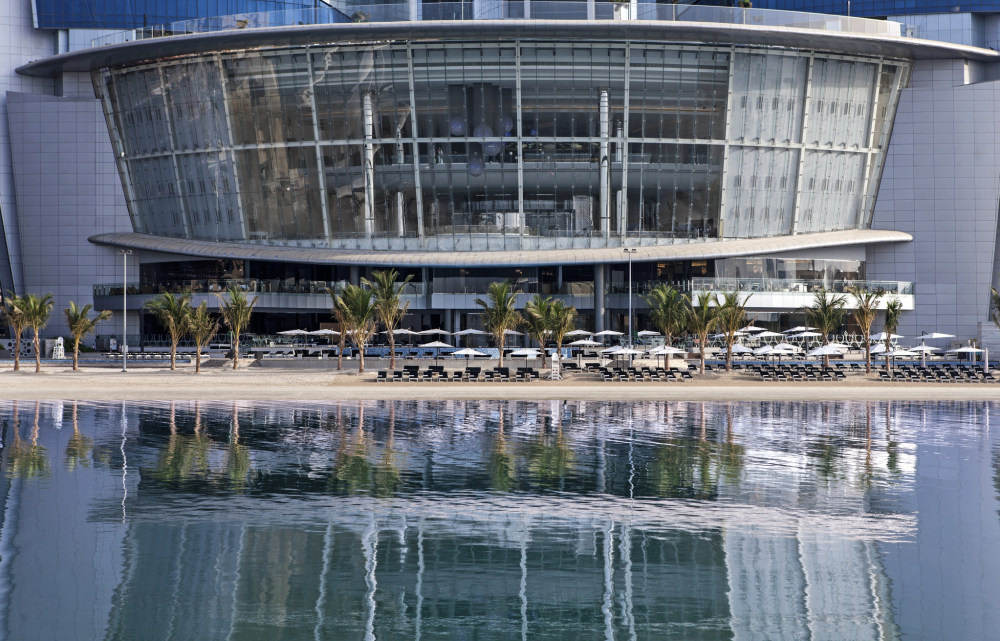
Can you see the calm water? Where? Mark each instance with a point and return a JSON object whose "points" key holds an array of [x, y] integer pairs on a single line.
{"points": [[492, 520]]}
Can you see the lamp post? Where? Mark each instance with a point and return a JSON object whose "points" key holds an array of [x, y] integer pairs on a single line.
{"points": [[125, 254], [630, 251]]}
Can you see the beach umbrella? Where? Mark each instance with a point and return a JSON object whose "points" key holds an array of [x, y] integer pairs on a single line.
{"points": [[431, 332], [469, 332], [902, 352], [586, 342], [805, 334], [825, 350], [752, 328], [468, 353], [877, 349], [526, 353], [294, 332], [579, 332], [764, 351], [881, 336], [788, 347], [437, 346], [768, 334], [924, 350], [741, 349], [644, 333], [612, 350], [797, 329], [403, 332], [936, 335], [324, 332], [609, 332]]}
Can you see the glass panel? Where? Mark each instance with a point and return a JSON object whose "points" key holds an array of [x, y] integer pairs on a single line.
{"points": [[830, 191], [840, 103], [767, 98], [760, 192]]}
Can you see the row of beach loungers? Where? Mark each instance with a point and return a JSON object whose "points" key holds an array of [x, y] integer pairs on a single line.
{"points": [[643, 374], [946, 373], [437, 373]]}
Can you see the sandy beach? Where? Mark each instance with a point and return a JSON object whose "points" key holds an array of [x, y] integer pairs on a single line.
{"points": [[280, 384]]}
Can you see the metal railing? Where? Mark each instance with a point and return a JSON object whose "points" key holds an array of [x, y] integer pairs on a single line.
{"points": [[220, 286], [795, 285], [514, 10]]}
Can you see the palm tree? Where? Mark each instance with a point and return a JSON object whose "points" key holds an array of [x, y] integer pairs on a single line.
{"points": [[13, 312], [826, 315], [995, 306], [537, 313], [864, 316], [80, 324], [389, 308], [236, 311], [499, 312], [203, 329], [357, 307], [173, 313], [702, 318], [562, 319], [732, 316], [668, 310], [36, 311], [338, 316], [893, 310]]}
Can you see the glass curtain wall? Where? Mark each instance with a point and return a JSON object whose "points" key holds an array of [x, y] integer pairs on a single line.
{"points": [[521, 145]]}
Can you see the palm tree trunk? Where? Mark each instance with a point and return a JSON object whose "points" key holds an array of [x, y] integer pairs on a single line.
{"points": [[197, 358], [38, 352], [392, 350], [888, 364], [868, 355], [361, 358], [76, 355], [173, 354], [17, 352], [340, 348], [501, 339], [729, 355], [236, 351]]}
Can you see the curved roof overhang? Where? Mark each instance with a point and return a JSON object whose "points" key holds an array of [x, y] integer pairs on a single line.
{"points": [[391, 258], [721, 34]]}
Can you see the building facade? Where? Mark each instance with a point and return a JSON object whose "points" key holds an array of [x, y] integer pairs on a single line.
{"points": [[584, 150]]}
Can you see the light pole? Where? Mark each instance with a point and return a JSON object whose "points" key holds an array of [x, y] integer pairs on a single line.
{"points": [[630, 251], [125, 254]]}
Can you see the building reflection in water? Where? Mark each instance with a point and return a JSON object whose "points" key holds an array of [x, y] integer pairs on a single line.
{"points": [[462, 519]]}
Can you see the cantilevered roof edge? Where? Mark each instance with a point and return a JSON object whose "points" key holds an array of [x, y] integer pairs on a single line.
{"points": [[394, 258]]}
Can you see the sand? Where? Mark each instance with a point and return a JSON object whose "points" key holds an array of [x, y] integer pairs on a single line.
{"points": [[278, 384]]}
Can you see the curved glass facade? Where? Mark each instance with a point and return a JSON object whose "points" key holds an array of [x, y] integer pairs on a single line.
{"points": [[451, 146]]}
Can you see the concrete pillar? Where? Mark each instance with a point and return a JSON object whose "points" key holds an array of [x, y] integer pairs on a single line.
{"points": [[355, 275], [605, 166], [369, 164], [599, 270]]}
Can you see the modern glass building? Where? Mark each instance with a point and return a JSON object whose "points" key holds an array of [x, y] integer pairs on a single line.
{"points": [[582, 149]]}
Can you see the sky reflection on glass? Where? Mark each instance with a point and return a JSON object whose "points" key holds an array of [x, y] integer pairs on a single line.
{"points": [[499, 520]]}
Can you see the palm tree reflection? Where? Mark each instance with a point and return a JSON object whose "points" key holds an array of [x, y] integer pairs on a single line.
{"points": [[79, 447], [185, 457], [27, 460], [550, 456], [501, 462]]}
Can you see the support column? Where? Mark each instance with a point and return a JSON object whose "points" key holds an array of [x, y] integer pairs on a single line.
{"points": [[355, 275], [369, 164], [605, 168], [400, 219], [320, 167], [520, 145], [417, 191], [599, 270]]}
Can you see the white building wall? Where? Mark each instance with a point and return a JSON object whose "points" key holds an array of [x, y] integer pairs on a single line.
{"points": [[942, 184], [67, 189], [19, 44]]}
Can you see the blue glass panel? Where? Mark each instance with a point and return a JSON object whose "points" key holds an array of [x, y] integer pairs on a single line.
{"points": [[131, 14]]}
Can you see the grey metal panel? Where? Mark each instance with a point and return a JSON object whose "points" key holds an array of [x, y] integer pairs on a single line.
{"points": [[687, 251], [494, 30]]}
